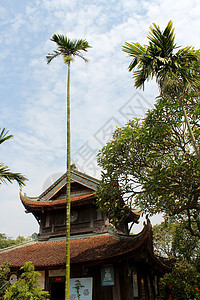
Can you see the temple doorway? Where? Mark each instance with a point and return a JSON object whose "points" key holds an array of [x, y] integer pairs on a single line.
{"points": [[58, 291]]}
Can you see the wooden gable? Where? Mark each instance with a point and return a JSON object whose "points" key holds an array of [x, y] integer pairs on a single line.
{"points": [[50, 207], [80, 183]]}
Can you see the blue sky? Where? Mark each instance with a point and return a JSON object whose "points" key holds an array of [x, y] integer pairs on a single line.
{"points": [[32, 93]]}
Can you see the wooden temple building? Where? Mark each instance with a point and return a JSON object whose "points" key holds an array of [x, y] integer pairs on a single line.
{"points": [[106, 263]]}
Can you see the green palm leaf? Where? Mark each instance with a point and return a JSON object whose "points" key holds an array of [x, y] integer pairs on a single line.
{"points": [[68, 48], [158, 59], [134, 50], [4, 135], [176, 72], [7, 176], [5, 173]]}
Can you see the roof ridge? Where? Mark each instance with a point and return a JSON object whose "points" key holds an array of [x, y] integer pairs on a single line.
{"points": [[78, 176], [21, 245], [75, 172], [85, 236], [81, 174]]}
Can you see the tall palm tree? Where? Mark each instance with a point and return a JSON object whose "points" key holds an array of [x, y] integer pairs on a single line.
{"points": [[175, 72], [68, 49], [5, 173]]}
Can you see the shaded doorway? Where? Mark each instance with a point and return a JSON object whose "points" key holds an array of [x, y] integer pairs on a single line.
{"points": [[58, 291]]}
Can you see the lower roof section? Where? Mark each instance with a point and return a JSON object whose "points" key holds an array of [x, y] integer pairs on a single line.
{"points": [[85, 249]]}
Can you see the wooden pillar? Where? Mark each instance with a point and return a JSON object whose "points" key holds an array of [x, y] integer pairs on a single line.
{"points": [[144, 296], [116, 287], [126, 282]]}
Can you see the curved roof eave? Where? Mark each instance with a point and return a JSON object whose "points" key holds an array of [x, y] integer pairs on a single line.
{"points": [[89, 250], [35, 203]]}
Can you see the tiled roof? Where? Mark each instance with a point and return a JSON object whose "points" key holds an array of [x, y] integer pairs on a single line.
{"points": [[52, 253], [52, 196], [83, 250], [29, 203]]}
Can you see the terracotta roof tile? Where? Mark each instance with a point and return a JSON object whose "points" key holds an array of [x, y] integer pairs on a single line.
{"points": [[32, 203], [82, 250]]}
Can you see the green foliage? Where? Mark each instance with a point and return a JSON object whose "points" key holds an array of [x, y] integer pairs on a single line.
{"points": [[5, 174], [173, 67], [176, 71], [172, 240], [4, 272], [154, 166], [4, 135], [67, 48], [26, 287], [163, 237], [184, 281], [7, 241]]}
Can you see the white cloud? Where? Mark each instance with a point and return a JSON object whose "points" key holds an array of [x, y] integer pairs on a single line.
{"points": [[32, 93]]}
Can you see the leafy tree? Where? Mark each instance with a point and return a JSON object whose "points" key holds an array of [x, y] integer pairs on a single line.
{"points": [[27, 286], [163, 236], [4, 272], [68, 49], [172, 240], [6, 241], [183, 283], [5, 172], [151, 164], [176, 72]]}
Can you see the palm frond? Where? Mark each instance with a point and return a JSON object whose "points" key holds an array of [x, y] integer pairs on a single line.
{"points": [[68, 48], [81, 45], [165, 40], [155, 35], [51, 56], [169, 35], [158, 60], [82, 57], [7, 176], [135, 50], [4, 135]]}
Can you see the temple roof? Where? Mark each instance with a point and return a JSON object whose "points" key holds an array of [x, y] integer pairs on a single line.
{"points": [[83, 188], [85, 249], [31, 204], [83, 191], [87, 181]]}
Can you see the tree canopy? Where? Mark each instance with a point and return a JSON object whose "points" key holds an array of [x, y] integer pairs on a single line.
{"points": [[154, 165], [172, 240], [176, 69], [27, 286], [68, 49], [4, 273], [163, 59], [6, 241]]}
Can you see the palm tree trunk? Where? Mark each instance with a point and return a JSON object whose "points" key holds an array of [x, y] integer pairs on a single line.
{"points": [[68, 191], [189, 129]]}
